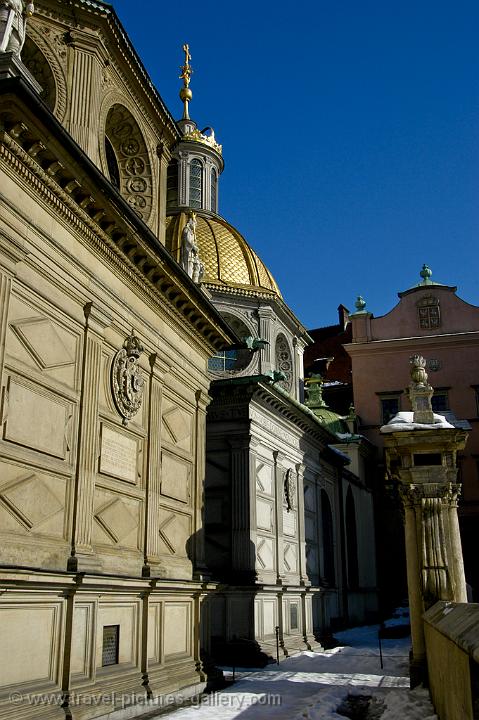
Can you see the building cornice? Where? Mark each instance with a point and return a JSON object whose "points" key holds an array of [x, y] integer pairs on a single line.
{"points": [[392, 345], [35, 147], [261, 389]]}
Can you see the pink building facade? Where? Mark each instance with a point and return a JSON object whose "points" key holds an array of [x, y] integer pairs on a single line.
{"points": [[432, 321]]}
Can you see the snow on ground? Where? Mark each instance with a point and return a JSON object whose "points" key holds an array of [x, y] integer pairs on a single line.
{"points": [[311, 686]]}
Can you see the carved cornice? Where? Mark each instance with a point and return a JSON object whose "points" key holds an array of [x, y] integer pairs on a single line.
{"points": [[91, 206]]}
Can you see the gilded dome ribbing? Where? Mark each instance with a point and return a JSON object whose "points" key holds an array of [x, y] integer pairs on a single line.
{"points": [[229, 261]]}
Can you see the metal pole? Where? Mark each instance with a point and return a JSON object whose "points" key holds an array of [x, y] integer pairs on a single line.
{"points": [[277, 643], [380, 648]]}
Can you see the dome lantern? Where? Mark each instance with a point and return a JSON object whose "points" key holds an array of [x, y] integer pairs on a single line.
{"points": [[197, 160]]}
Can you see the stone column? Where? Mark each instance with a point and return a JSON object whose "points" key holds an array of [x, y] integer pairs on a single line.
{"points": [[85, 91], [416, 606], [455, 549], [82, 557], [242, 548]]}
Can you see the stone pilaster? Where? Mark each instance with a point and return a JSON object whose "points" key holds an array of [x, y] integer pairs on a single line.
{"points": [[242, 548], [266, 317], [182, 178], [82, 556], [199, 563], [303, 577], [278, 509], [5, 289], [164, 158], [85, 93], [151, 549]]}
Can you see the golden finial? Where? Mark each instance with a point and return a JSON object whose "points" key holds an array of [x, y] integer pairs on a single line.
{"points": [[186, 71]]}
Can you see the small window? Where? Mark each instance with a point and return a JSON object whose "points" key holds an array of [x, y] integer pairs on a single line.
{"points": [[389, 408], [111, 645], [196, 184], [440, 401], [213, 182], [224, 360], [172, 184], [293, 616]]}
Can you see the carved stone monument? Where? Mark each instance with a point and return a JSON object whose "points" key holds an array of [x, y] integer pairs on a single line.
{"points": [[190, 259], [13, 23], [421, 450]]}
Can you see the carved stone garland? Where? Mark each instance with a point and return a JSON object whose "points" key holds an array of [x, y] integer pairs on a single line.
{"points": [[284, 362], [289, 489], [127, 382]]}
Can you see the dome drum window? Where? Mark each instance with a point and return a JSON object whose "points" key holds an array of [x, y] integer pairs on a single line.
{"points": [[196, 184]]}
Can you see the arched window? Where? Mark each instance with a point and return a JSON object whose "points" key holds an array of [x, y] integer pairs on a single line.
{"points": [[230, 362], [112, 162], [352, 541], [328, 539], [36, 62], [172, 184], [213, 193], [196, 184], [127, 160]]}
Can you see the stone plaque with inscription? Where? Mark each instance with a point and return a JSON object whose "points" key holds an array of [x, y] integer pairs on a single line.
{"points": [[118, 455], [289, 522]]}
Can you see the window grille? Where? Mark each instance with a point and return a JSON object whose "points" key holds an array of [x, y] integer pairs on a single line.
{"points": [[111, 645]]}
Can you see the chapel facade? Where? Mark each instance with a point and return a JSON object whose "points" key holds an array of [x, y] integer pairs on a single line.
{"points": [[151, 396]]}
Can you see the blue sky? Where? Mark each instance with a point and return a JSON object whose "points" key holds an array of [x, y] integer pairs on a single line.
{"points": [[350, 132]]}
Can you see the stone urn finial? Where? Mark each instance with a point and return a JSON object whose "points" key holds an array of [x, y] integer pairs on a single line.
{"points": [[360, 304], [419, 391]]}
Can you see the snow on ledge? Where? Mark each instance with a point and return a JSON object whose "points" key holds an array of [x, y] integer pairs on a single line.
{"points": [[405, 421]]}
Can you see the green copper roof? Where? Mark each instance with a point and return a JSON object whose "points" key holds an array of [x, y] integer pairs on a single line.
{"points": [[334, 422]]}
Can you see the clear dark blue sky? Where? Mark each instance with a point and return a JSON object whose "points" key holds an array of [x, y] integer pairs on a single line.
{"points": [[350, 131]]}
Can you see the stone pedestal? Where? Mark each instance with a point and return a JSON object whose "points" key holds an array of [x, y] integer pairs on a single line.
{"points": [[424, 463], [11, 67]]}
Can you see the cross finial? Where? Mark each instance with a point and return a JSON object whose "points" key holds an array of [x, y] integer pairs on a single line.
{"points": [[186, 71]]}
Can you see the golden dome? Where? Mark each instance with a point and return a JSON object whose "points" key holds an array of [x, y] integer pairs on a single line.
{"points": [[229, 261]]}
